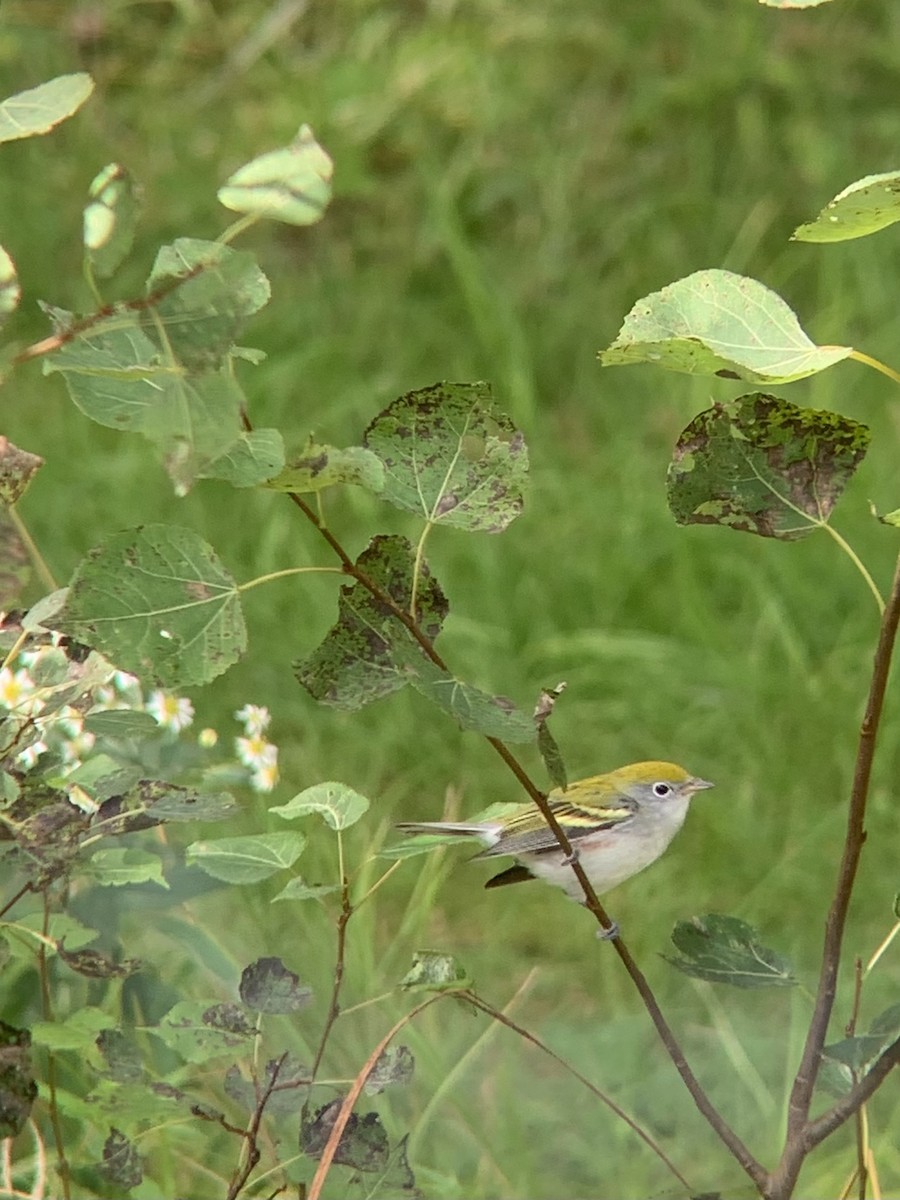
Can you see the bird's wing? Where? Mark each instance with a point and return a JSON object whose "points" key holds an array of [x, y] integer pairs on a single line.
{"points": [[526, 832]]}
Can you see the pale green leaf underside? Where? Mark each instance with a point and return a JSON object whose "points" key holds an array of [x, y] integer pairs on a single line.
{"points": [[109, 219], [291, 185], [115, 867], [246, 859], [319, 467], [340, 806], [864, 207], [717, 323], [40, 108], [473, 709], [158, 602], [10, 289]]}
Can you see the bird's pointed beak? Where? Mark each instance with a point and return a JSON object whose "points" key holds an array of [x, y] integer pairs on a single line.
{"points": [[698, 785]]}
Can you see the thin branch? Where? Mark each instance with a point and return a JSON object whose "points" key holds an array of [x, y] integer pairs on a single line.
{"points": [[822, 1127], [645, 1137], [340, 1121], [785, 1176], [719, 1125], [334, 1007], [242, 1174]]}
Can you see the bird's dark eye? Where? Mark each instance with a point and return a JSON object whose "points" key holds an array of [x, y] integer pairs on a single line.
{"points": [[661, 789]]}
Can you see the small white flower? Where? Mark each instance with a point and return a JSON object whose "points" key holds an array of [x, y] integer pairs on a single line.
{"points": [[172, 712], [29, 756], [207, 738], [18, 692], [264, 778], [256, 752], [255, 718], [77, 748]]}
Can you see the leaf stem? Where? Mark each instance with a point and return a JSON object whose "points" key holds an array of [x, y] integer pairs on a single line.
{"points": [[252, 583], [868, 361], [34, 554], [858, 563], [238, 227], [62, 1163]]}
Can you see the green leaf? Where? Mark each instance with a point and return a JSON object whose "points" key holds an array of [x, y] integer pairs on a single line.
{"points": [[267, 986], [158, 602], [395, 1066], [61, 928], [194, 1030], [18, 1089], [250, 460], [289, 1095], [298, 890], [857, 1053], [363, 1143], [722, 949], [452, 457], [121, 1055], [103, 777], [863, 207], [891, 518], [366, 655], [121, 1161], [10, 289], [470, 707], [319, 467], [338, 804], [291, 185], [120, 723], [110, 218], [15, 564], [246, 859], [41, 108], [114, 868], [718, 323], [154, 801], [432, 971], [77, 1032], [764, 466], [203, 293], [17, 469]]}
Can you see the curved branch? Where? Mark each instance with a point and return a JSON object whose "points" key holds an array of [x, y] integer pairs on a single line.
{"points": [[819, 1129]]}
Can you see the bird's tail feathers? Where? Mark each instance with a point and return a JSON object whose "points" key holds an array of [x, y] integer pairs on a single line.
{"points": [[458, 827]]}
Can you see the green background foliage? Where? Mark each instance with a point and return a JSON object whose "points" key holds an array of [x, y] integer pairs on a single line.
{"points": [[510, 177]]}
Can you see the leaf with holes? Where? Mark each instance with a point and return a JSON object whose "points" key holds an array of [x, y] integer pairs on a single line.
{"points": [[158, 602], [764, 466], [451, 456], [194, 1029], [17, 469], [864, 207], [722, 949], [718, 323], [267, 986], [364, 655]]}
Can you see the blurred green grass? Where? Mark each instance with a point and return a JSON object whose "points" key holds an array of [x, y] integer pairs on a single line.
{"points": [[510, 178]]}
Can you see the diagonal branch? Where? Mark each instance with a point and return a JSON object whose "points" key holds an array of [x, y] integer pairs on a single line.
{"points": [[715, 1119], [819, 1129]]}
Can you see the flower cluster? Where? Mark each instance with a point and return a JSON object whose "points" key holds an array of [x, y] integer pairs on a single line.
{"points": [[46, 700]]}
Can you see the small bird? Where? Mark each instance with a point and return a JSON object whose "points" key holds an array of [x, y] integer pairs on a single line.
{"points": [[618, 824]]}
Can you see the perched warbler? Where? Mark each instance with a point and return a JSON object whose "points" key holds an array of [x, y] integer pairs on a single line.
{"points": [[617, 823]]}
